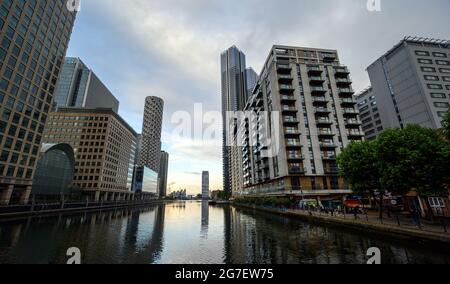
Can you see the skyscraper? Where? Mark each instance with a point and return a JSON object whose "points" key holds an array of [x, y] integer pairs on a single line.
{"points": [[205, 185], [78, 86], [251, 79], [234, 97], [151, 133], [34, 37], [163, 173], [411, 83], [308, 96]]}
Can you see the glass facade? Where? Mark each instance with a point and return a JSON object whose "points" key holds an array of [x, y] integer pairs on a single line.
{"points": [[55, 171], [145, 181]]}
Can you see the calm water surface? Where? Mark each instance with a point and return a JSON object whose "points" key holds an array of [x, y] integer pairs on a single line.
{"points": [[193, 232]]}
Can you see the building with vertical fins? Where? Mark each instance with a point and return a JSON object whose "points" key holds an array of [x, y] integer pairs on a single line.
{"points": [[150, 155]]}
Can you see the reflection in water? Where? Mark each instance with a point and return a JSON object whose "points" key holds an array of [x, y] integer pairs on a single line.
{"points": [[192, 232]]}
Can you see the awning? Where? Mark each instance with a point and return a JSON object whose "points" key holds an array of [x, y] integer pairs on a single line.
{"points": [[353, 203]]}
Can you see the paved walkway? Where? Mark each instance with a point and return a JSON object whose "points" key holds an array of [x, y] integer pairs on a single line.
{"points": [[373, 218]]}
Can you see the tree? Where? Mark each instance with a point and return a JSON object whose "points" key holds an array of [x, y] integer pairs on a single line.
{"points": [[446, 125], [358, 165]]}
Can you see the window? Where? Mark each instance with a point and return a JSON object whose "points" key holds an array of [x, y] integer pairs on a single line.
{"points": [[425, 61], [444, 70], [442, 62], [441, 105], [446, 79], [439, 54], [428, 69], [442, 113], [431, 78], [435, 87], [422, 53], [438, 95]]}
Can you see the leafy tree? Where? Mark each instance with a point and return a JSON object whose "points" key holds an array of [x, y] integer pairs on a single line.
{"points": [[446, 125]]}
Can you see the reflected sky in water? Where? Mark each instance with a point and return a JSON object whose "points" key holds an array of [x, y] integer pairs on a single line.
{"points": [[192, 232]]}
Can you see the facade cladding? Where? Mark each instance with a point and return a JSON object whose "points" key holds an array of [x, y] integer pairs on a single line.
{"points": [[150, 155], [34, 36], [104, 146], [412, 83], [55, 171], [310, 94], [205, 185], [234, 97], [78, 86], [369, 114]]}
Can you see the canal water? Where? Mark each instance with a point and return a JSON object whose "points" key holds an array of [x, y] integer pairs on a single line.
{"points": [[194, 233]]}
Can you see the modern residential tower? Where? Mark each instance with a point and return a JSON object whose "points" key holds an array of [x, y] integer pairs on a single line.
{"points": [[163, 174], [150, 155], [34, 37], [305, 96], [412, 83], [205, 185], [78, 86]]}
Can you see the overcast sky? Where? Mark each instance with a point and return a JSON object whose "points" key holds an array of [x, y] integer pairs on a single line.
{"points": [[171, 49]]}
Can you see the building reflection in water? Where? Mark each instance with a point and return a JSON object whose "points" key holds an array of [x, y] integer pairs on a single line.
{"points": [[205, 219]]}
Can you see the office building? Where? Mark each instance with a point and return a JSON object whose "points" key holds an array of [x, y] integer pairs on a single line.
{"points": [[369, 114], [104, 146], [234, 98], [163, 173], [34, 36], [306, 94], [150, 155], [78, 86], [252, 79], [205, 185], [146, 182], [412, 83]]}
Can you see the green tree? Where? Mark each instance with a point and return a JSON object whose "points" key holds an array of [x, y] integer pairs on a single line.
{"points": [[446, 125], [358, 165]]}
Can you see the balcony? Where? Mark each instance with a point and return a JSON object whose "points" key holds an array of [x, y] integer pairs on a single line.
{"points": [[284, 87], [356, 133], [294, 169], [322, 110], [346, 91], [284, 67], [349, 101], [288, 109], [327, 145], [291, 131], [331, 170], [353, 122], [320, 100], [293, 144], [341, 70], [343, 81], [324, 121], [318, 90], [316, 79], [286, 98], [295, 157], [325, 133], [329, 157], [350, 111], [289, 120], [285, 78], [314, 70]]}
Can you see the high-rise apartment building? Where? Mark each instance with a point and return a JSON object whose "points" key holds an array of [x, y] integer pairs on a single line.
{"points": [[234, 98], [34, 36], [307, 96], [104, 146], [411, 83], [369, 114], [78, 86], [205, 185], [163, 173], [150, 155]]}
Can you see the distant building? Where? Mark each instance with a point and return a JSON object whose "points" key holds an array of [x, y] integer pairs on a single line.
{"points": [[205, 185], [54, 172], [252, 80], [411, 83], [104, 145], [78, 86], [369, 114], [150, 155], [163, 174]]}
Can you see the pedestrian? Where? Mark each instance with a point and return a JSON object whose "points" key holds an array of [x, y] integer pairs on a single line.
{"points": [[416, 216], [356, 212]]}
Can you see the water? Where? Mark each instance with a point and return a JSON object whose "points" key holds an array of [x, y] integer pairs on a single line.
{"points": [[193, 233]]}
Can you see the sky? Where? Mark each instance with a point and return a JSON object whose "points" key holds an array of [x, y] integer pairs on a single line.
{"points": [[171, 49]]}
